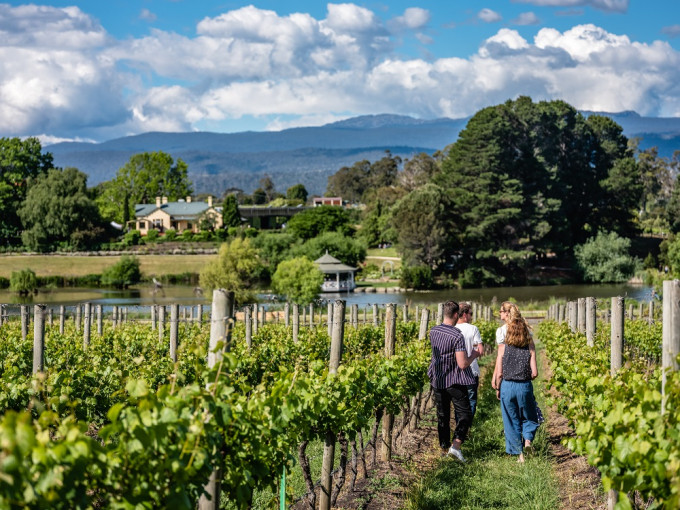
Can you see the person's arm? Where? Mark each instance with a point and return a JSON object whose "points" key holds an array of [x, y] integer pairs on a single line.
{"points": [[463, 360], [532, 360], [477, 342], [498, 370]]}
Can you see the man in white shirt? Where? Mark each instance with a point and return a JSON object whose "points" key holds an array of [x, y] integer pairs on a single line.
{"points": [[473, 341]]}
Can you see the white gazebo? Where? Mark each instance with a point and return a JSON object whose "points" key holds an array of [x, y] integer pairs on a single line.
{"points": [[337, 277]]}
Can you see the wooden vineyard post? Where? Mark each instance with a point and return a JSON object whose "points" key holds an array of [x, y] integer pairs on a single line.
{"points": [[581, 314], [220, 331], [640, 310], [440, 313], [354, 314], [404, 313], [304, 316], [670, 346], [630, 312], [200, 315], [86, 325], [296, 322], [616, 363], [38, 338], [388, 419], [591, 321], [417, 313], [100, 321], [161, 322], [49, 317], [24, 322], [617, 335], [114, 316], [376, 317], [329, 445], [365, 317], [651, 312], [153, 317], [78, 317], [330, 319], [174, 329], [249, 326], [424, 320], [263, 313], [62, 318], [574, 316], [286, 314], [311, 315]]}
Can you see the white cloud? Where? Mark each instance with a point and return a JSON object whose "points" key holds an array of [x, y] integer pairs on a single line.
{"points": [[489, 16], [603, 5], [296, 70], [526, 18], [147, 15]]}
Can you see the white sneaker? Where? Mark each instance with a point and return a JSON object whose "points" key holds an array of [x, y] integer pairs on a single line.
{"points": [[457, 454]]}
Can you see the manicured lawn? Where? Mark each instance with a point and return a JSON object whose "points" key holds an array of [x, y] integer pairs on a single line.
{"points": [[384, 252], [60, 265]]}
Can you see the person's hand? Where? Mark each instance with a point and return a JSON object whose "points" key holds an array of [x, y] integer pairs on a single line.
{"points": [[498, 393], [534, 374]]}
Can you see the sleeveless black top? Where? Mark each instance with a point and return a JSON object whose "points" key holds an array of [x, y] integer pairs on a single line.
{"points": [[516, 366]]}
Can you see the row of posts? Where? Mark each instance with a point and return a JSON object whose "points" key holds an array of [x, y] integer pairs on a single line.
{"points": [[581, 317]]}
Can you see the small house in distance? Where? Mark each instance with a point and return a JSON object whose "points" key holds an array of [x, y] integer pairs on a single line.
{"points": [[337, 277], [180, 216], [317, 201]]}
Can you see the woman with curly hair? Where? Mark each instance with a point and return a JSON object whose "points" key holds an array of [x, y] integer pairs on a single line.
{"points": [[515, 369]]}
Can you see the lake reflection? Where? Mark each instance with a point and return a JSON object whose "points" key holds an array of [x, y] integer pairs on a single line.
{"points": [[186, 295]]}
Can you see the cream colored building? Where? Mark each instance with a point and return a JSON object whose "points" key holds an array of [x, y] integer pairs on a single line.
{"points": [[179, 216]]}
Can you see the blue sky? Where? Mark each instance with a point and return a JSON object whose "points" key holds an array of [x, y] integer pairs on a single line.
{"points": [[94, 70]]}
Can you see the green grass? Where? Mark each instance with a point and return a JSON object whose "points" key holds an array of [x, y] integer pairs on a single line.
{"points": [[384, 252], [490, 478], [58, 265]]}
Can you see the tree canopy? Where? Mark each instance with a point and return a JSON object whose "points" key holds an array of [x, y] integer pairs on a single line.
{"points": [[234, 270], [298, 279], [143, 178], [231, 217], [57, 212], [326, 218], [351, 183], [20, 161]]}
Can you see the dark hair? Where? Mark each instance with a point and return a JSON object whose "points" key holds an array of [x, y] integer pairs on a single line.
{"points": [[450, 309], [464, 308]]}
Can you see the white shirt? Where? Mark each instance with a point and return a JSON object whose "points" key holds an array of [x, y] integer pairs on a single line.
{"points": [[472, 338], [500, 334]]}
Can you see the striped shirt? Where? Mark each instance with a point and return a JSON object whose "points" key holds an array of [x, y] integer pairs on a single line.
{"points": [[444, 372]]}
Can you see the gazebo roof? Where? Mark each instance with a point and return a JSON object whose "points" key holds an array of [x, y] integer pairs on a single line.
{"points": [[329, 264]]}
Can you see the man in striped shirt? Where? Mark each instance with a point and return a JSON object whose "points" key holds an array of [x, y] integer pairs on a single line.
{"points": [[450, 375]]}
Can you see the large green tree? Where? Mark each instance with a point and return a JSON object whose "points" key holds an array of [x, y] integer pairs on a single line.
{"points": [[298, 279], [231, 217], [57, 212], [531, 179], [351, 183], [20, 161], [234, 269], [312, 222], [143, 178]]}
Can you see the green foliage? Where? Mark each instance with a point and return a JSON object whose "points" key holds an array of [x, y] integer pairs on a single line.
{"points": [[20, 161], [234, 269], [617, 419], [187, 235], [170, 235], [605, 258], [132, 238], [424, 225], [346, 249], [312, 222], [297, 192], [298, 279], [57, 212], [416, 277], [673, 256], [230, 215], [351, 183], [273, 248], [23, 282], [143, 178], [151, 236], [418, 171], [123, 273], [649, 262]]}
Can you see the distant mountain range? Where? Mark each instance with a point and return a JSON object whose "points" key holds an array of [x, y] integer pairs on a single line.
{"points": [[218, 161]]}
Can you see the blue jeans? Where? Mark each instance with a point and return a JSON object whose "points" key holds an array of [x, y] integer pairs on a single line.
{"points": [[520, 421]]}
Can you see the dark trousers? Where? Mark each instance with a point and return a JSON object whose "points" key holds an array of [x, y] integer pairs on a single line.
{"points": [[458, 395]]}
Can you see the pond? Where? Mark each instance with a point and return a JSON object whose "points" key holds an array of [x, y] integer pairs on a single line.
{"points": [[185, 295]]}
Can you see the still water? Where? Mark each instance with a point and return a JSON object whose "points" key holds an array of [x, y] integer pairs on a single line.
{"points": [[186, 295]]}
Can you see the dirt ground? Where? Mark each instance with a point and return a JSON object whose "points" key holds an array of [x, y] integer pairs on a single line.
{"points": [[386, 486]]}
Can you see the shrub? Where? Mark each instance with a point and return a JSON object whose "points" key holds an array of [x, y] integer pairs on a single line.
{"points": [[187, 235], [606, 258], [132, 238], [416, 277], [170, 235], [151, 236], [298, 279], [23, 282], [123, 273]]}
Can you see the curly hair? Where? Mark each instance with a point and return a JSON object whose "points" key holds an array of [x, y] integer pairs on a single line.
{"points": [[519, 332]]}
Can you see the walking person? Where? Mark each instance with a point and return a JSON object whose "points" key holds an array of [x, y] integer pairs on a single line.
{"points": [[450, 375], [473, 341], [515, 369]]}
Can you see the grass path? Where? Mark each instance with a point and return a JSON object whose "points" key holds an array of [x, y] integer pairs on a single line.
{"points": [[491, 478]]}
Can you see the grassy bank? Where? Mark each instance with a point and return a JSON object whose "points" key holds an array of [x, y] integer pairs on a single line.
{"points": [[75, 266], [490, 478]]}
